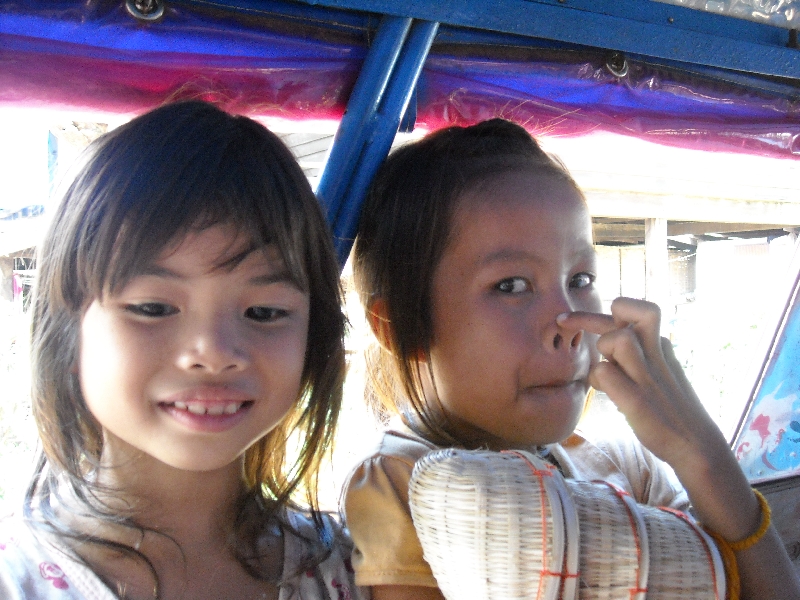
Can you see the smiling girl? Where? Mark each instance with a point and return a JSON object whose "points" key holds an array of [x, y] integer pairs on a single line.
{"points": [[475, 264], [186, 326]]}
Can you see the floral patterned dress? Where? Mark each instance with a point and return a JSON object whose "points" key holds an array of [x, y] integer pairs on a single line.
{"points": [[31, 569]]}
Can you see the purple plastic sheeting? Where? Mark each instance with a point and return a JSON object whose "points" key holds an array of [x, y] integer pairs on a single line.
{"points": [[68, 54], [93, 55], [559, 98]]}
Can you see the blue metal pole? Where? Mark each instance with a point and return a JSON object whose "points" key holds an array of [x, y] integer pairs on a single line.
{"points": [[361, 108], [384, 127]]}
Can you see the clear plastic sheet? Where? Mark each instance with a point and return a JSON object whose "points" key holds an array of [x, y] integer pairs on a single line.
{"points": [[782, 13], [93, 55], [572, 98], [72, 54]]}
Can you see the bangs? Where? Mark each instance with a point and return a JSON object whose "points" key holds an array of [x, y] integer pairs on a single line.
{"points": [[190, 180]]}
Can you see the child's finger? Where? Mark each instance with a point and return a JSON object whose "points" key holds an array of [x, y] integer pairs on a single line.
{"points": [[618, 341], [648, 408], [644, 317], [623, 348], [597, 323], [611, 379]]}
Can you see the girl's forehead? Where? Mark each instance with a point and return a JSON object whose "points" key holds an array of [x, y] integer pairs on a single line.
{"points": [[528, 184], [218, 247], [549, 195]]}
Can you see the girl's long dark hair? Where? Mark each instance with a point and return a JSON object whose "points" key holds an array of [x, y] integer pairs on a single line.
{"points": [[404, 230], [181, 167]]}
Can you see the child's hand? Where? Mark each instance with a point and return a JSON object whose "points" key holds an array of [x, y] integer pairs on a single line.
{"points": [[646, 382], [644, 379]]}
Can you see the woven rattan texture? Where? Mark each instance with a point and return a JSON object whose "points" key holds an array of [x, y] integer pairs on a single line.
{"points": [[681, 557], [502, 556], [505, 526], [609, 543]]}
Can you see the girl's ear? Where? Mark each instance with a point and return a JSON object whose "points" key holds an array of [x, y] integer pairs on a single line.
{"points": [[378, 318]]}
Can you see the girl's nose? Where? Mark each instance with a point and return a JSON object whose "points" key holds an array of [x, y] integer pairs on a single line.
{"points": [[213, 347], [557, 338], [565, 340]]}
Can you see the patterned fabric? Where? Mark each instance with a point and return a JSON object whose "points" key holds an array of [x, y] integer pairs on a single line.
{"points": [[31, 569], [378, 516]]}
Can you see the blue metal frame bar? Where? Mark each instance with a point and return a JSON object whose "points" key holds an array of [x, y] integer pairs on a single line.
{"points": [[628, 14], [364, 102], [324, 16], [646, 28], [377, 104], [385, 124]]}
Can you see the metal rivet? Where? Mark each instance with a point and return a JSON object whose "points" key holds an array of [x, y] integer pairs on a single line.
{"points": [[617, 64], [145, 10]]}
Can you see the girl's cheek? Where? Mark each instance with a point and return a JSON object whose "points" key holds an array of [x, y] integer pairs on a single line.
{"points": [[593, 303]]}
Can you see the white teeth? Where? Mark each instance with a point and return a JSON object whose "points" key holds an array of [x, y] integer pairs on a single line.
{"points": [[197, 408]]}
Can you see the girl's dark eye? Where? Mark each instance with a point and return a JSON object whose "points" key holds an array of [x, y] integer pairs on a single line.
{"points": [[151, 309], [264, 314], [513, 285], [582, 280]]}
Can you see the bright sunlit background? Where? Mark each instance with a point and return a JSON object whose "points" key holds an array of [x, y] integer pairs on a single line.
{"points": [[717, 328]]}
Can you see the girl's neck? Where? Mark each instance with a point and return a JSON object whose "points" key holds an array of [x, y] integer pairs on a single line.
{"points": [[190, 506], [187, 519]]}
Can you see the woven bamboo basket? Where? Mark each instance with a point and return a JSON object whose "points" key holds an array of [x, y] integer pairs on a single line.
{"points": [[614, 551], [503, 526], [677, 574], [489, 527]]}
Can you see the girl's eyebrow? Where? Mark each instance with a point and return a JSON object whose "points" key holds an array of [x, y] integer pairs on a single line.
{"points": [[279, 276], [282, 276], [507, 255], [512, 255], [152, 270]]}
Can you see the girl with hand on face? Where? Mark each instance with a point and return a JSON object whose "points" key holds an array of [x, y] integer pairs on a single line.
{"points": [[475, 264], [186, 327]]}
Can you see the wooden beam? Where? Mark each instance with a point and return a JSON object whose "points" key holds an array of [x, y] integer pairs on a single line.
{"points": [[674, 207], [633, 231], [684, 228]]}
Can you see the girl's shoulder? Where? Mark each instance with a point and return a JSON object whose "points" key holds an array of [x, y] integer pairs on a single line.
{"points": [[384, 472], [317, 560], [32, 568], [620, 458], [399, 443]]}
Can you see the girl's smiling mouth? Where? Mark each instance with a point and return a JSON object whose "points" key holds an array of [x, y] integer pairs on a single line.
{"points": [[208, 408], [215, 409], [207, 417]]}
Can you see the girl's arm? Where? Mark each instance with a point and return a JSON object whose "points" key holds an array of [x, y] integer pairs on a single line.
{"points": [[644, 379]]}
